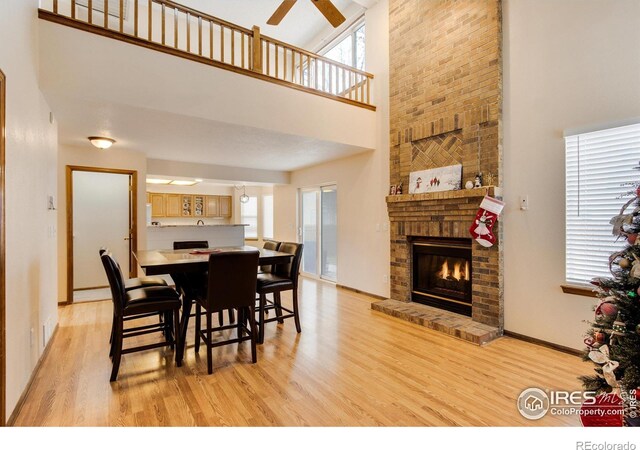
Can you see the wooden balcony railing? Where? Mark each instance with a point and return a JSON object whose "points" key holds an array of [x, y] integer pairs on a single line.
{"points": [[172, 28]]}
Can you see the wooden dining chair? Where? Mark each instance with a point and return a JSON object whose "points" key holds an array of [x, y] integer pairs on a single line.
{"points": [[151, 300], [136, 283], [192, 283], [269, 245], [284, 277], [231, 284]]}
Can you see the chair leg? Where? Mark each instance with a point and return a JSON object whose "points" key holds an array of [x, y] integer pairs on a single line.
{"points": [[232, 316], [176, 328], [252, 322], [113, 328], [208, 343], [168, 329], [239, 325], [117, 349], [278, 304], [296, 315], [221, 318], [198, 326], [263, 301]]}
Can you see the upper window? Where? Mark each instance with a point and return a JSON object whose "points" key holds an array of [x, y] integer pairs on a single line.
{"points": [[598, 165], [249, 215], [349, 48]]}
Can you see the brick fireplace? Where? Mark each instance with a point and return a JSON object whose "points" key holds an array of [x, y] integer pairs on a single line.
{"points": [[445, 109]]}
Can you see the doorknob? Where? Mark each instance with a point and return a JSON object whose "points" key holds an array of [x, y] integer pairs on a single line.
{"points": [[127, 239]]}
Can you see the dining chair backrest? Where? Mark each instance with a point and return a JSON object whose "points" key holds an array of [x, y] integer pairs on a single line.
{"points": [[182, 245], [116, 281], [232, 279], [292, 268], [269, 245], [103, 250]]}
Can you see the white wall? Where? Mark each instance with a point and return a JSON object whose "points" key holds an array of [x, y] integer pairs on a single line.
{"points": [[363, 236], [567, 64], [30, 178], [89, 156]]}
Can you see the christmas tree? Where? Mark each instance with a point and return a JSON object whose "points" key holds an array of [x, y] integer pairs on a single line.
{"points": [[613, 342]]}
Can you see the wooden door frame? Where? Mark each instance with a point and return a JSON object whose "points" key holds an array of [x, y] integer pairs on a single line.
{"points": [[133, 219], [3, 346]]}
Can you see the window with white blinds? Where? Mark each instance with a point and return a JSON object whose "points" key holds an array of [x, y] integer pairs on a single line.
{"points": [[598, 164]]}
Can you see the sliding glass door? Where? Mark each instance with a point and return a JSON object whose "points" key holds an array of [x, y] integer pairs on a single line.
{"points": [[319, 231]]}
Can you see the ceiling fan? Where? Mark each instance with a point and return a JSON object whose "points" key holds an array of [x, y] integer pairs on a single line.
{"points": [[327, 9]]}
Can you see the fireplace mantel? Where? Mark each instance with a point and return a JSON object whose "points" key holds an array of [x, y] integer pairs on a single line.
{"points": [[445, 195]]}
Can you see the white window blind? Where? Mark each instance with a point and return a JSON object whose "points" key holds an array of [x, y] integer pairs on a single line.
{"points": [[249, 216], [597, 166], [267, 216]]}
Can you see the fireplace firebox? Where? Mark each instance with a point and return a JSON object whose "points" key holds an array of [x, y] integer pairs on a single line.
{"points": [[442, 273]]}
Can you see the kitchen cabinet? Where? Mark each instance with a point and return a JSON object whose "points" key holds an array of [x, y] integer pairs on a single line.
{"points": [[198, 205], [157, 204], [213, 206], [225, 206], [173, 205], [187, 205]]}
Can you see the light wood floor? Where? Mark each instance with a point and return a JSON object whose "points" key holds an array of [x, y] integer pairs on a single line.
{"points": [[350, 366]]}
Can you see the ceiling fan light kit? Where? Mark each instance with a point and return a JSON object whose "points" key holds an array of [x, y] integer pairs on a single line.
{"points": [[328, 10]]}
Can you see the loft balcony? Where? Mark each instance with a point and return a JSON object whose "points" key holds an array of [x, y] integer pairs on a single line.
{"points": [[174, 29]]}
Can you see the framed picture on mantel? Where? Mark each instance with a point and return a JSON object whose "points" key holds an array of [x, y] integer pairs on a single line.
{"points": [[434, 180]]}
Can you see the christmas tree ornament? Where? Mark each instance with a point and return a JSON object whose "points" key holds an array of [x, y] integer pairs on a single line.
{"points": [[486, 217], [624, 263], [600, 337], [607, 309], [638, 329], [632, 294], [631, 239], [635, 268], [601, 356], [589, 341], [619, 327]]}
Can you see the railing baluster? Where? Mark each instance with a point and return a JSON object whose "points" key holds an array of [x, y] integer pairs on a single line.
{"points": [[211, 39], [176, 12], [200, 36], [90, 11], [301, 80], [122, 15], [150, 23], [55, 6], [284, 63], [106, 14], [315, 70], [277, 60], [163, 23], [362, 89], [73, 9], [308, 71], [293, 66], [368, 90], [268, 55], [233, 46], [188, 32], [242, 48], [135, 18], [222, 43]]}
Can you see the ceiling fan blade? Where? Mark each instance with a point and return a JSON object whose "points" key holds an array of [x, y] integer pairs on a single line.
{"points": [[282, 11], [328, 10]]}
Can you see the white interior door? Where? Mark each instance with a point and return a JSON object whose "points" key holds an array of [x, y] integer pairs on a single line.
{"points": [[101, 208]]}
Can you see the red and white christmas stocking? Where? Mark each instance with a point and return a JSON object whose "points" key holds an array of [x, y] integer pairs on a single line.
{"points": [[487, 215]]}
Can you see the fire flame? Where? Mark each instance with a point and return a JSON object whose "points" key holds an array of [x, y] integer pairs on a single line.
{"points": [[456, 273]]}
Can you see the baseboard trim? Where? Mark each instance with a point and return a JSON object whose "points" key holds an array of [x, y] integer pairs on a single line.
{"points": [[542, 343], [36, 369], [358, 291]]}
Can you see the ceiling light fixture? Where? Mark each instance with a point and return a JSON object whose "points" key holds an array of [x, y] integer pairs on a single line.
{"points": [[183, 183], [244, 198], [102, 143], [157, 181]]}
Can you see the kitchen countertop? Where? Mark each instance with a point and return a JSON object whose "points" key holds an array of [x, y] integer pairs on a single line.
{"points": [[199, 226]]}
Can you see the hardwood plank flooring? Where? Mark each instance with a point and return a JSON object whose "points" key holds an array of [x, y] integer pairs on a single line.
{"points": [[350, 366]]}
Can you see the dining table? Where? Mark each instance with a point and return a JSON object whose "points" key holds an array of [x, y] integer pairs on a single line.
{"points": [[177, 262]]}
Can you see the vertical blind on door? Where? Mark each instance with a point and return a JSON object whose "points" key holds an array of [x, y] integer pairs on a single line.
{"points": [[599, 171]]}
